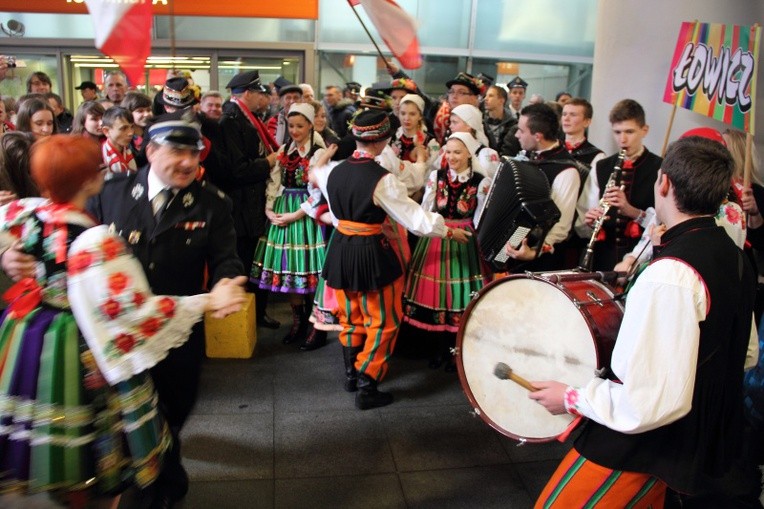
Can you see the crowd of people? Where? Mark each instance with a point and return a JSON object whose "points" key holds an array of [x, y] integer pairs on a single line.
{"points": [[363, 207]]}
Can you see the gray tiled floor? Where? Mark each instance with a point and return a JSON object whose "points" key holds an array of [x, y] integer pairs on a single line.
{"points": [[278, 431]]}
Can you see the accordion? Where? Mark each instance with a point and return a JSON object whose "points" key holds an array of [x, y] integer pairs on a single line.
{"points": [[518, 206]]}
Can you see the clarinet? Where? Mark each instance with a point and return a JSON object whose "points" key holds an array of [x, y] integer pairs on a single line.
{"points": [[613, 181]]}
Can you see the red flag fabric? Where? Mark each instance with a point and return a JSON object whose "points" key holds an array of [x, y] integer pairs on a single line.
{"points": [[396, 27], [123, 32]]}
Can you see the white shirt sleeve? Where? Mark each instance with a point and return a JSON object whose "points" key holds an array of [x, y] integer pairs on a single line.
{"points": [[411, 174], [430, 185], [274, 189], [126, 326], [643, 251], [489, 161], [752, 355], [597, 159], [391, 195], [436, 161], [654, 357], [482, 194], [314, 199], [564, 195], [590, 198]]}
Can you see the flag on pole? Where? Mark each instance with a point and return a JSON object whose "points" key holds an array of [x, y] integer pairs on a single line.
{"points": [[713, 72], [396, 27], [123, 32]]}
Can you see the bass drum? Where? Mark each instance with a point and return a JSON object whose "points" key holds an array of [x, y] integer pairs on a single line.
{"points": [[545, 326]]}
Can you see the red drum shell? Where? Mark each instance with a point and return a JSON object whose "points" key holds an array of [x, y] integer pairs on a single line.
{"points": [[546, 326]]}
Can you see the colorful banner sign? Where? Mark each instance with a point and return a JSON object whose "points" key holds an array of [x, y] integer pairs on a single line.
{"points": [[297, 9], [713, 72]]}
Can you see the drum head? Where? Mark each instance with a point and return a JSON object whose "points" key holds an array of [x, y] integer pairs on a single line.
{"points": [[532, 326]]}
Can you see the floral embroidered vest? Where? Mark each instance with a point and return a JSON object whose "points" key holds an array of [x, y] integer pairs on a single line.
{"points": [[456, 200], [294, 168]]}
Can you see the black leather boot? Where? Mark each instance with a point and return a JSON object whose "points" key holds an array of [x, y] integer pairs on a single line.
{"points": [[297, 331], [349, 353], [261, 302], [316, 339], [441, 353], [368, 396]]}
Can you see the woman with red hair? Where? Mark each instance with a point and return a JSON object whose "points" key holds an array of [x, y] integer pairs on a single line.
{"points": [[79, 410]]}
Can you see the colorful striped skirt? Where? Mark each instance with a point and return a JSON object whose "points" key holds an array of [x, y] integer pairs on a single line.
{"points": [[61, 426], [441, 281], [578, 482], [290, 258]]}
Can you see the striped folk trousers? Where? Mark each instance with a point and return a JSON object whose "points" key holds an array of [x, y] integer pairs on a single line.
{"points": [[578, 482], [371, 320]]}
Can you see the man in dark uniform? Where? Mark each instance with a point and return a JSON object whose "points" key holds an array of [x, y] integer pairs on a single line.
{"points": [[517, 89], [176, 226], [630, 198], [251, 153], [289, 94]]}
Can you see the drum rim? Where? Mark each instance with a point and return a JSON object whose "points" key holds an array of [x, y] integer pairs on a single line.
{"points": [[460, 365]]}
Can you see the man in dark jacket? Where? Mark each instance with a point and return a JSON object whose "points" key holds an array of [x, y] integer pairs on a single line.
{"points": [[499, 121], [177, 226], [340, 110], [251, 154]]}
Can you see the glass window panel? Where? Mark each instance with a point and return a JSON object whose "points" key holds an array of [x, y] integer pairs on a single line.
{"points": [[556, 27], [269, 68], [193, 28], [441, 24], [15, 82], [339, 68], [59, 26], [544, 79]]}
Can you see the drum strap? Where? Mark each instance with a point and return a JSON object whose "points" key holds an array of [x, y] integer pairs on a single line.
{"points": [[573, 425]]}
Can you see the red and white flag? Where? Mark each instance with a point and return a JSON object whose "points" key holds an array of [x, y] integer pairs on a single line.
{"points": [[123, 32], [396, 27]]}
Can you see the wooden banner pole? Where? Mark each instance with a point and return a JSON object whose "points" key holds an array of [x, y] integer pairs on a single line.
{"points": [[668, 131], [747, 161]]}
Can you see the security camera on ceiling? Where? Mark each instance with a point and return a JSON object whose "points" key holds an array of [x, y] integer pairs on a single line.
{"points": [[13, 28]]}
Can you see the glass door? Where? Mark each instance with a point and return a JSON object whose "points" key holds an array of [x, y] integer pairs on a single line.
{"points": [[207, 70]]}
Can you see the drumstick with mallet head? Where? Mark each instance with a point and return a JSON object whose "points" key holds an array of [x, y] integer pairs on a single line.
{"points": [[504, 372]]}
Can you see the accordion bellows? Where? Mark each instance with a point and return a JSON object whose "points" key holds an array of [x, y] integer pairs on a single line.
{"points": [[518, 206]]}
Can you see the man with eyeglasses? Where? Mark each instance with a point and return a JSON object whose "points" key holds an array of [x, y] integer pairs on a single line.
{"points": [[39, 83], [464, 89]]}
